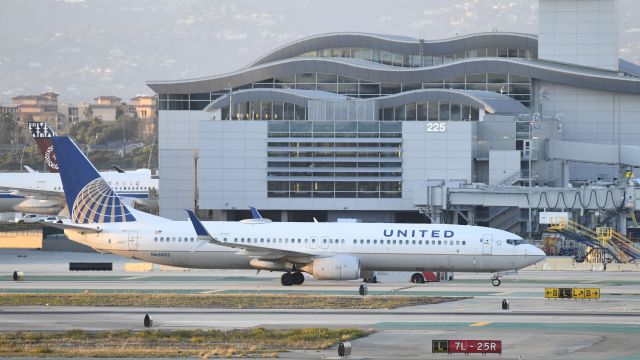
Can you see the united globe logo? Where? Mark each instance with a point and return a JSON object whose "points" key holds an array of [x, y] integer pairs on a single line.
{"points": [[97, 203]]}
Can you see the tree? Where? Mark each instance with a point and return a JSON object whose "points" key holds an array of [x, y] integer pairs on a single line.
{"points": [[8, 126]]}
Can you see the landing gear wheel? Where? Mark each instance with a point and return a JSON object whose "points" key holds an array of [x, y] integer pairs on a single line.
{"points": [[298, 278], [496, 281], [417, 278], [286, 279]]}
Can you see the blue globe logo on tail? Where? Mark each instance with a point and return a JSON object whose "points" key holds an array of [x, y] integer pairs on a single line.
{"points": [[97, 203], [90, 198]]}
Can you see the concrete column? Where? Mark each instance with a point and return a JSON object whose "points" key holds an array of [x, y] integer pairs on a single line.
{"points": [[565, 173]]}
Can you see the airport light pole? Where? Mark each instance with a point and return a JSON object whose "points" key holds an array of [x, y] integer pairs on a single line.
{"points": [[231, 102], [124, 139]]}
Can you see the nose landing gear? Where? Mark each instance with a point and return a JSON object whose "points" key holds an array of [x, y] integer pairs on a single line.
{"points": [[495, 280], [292, 278]]}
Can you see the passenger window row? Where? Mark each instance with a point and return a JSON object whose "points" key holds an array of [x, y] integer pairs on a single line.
{"points": [[173, 239], [313, 241], [342, 241]]}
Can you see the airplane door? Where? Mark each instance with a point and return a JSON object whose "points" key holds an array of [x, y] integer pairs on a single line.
{"points": [[41, 185], [487, 240], [313, 242], [133, 240]]}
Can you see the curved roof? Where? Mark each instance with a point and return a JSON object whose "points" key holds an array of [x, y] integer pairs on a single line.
{"points": [[399, 44], [544, 70], [491, 102], [293, 96]]}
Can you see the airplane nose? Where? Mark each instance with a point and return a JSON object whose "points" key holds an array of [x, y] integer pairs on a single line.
{"points": [[534, 254], [536, 251]]}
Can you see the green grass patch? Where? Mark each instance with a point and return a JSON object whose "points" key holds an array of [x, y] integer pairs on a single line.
{"points": [[171, 343], [222, 301]]}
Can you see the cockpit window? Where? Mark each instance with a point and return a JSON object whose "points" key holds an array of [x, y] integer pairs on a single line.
{"points": [[516, 241]]}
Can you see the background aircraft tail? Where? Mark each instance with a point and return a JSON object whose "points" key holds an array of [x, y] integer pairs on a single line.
{"points": [[42, 134], [89, 197]]}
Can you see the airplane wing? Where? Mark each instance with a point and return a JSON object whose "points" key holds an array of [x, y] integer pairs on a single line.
{"points": [[76, 227], [261, 252], [36, 193]]}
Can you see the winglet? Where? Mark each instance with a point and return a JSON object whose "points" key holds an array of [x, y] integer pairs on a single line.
{"points": [[255, 213], [201, 231], [29, 169]]}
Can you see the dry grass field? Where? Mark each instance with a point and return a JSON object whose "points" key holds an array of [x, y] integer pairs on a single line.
{"points": [[167, 343], [222, 301]]}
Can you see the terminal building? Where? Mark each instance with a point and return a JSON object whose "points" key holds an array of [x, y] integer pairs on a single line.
{"points": [[396, 129]]}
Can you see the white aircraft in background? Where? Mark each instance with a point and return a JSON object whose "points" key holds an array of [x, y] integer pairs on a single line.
{"points": [[328, 251], [41, 193]]}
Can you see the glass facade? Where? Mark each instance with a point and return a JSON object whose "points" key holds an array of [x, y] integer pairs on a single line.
{"points": [[430, 110], [517, 87], [327, 159], [417, 60], [196, 101], [265, 110]]}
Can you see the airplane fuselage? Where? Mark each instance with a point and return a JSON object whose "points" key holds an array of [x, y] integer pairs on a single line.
{"points": [[379, 247]]}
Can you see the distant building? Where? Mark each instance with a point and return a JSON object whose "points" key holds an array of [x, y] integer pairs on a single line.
{"points": [[43, 107], [8, 109], [74, 112], [145, 107], [106, 107]]}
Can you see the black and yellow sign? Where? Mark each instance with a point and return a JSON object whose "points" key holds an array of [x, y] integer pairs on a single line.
{"points": [[572, 293], [440, 346]]}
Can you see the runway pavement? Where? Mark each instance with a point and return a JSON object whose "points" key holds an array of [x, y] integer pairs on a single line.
{"points": [[532, 328]]}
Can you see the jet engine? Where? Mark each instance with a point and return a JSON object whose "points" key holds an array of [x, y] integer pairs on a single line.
{"points": [[340, 267]]}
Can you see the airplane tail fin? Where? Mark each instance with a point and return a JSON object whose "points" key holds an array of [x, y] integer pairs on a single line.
{"points": [[89, 197], [42, 134]]}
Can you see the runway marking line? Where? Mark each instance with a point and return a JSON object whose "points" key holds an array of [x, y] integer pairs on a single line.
{"points": [[481, 323]]}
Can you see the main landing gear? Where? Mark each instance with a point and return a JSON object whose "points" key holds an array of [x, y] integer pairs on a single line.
{"points": [[292, 278], [495, 280]]}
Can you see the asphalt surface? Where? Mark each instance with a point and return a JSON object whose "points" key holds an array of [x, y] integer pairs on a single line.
{"points": [[532, 328]]}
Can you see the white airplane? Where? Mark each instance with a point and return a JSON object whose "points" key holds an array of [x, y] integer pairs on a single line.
{"points": [[41, 193], [328, 251]]}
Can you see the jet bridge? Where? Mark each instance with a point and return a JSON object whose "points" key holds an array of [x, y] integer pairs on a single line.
{"points": [[446, 196], [442, 199], [623, 155]]}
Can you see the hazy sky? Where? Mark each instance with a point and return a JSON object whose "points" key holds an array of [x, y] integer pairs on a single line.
{"points": [[86, 48]]}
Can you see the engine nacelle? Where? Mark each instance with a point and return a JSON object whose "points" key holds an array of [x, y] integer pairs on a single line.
{"points": [[340, 267]]}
